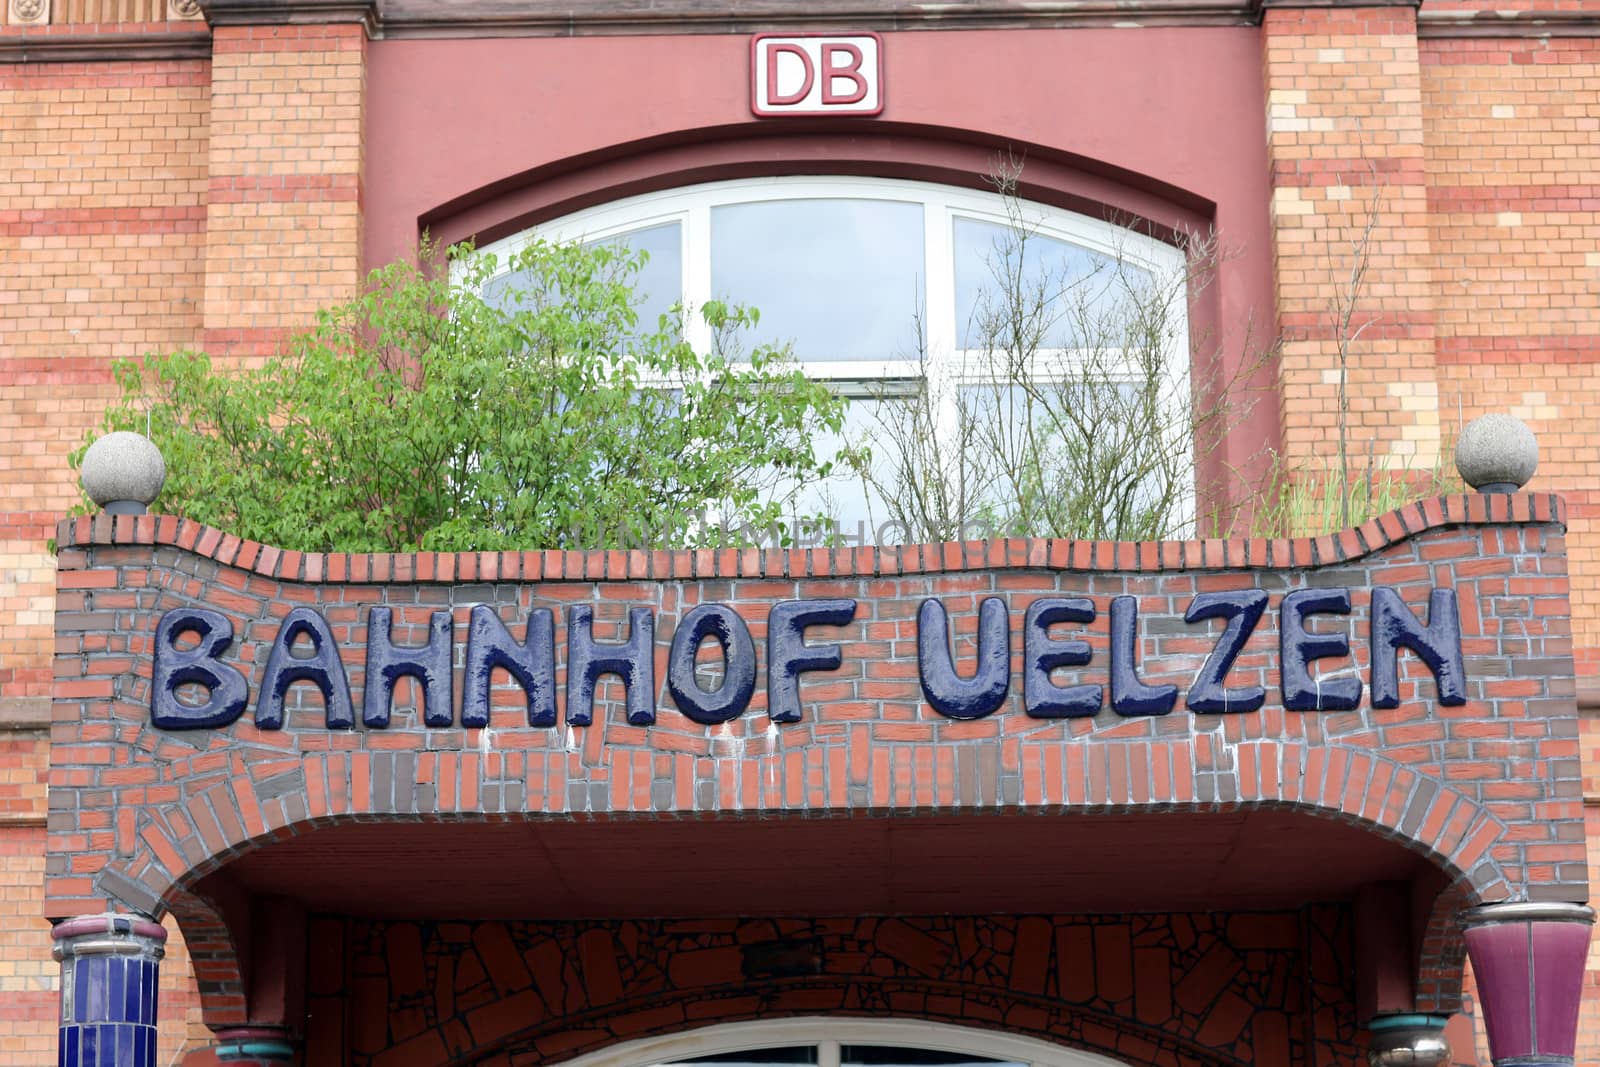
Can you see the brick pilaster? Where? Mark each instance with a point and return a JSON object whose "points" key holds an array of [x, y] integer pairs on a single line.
{"points": [[1345, 142], [283, 216]]}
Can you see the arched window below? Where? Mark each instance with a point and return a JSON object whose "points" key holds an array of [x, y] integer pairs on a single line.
{"points": [[840, 1042], [1001, 355]]}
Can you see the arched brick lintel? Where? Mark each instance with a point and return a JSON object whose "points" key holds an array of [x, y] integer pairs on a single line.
{"points": [[885, 150], [1342, 783]]}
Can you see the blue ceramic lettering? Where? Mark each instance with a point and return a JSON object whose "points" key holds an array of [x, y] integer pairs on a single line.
{"points": [[1438, 643], [532, 665], [788, 655], [1209, 695], [727, 701], [1041, 654], [632, 660], [947, 692], [1129, 695], [323, 668], [227, 690], [387, 663], [1298, 647]]}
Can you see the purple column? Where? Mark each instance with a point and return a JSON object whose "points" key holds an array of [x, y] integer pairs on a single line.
{"points": [[110, 965], [1529, 962]]}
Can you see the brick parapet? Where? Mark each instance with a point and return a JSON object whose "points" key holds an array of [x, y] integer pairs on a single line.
{"points": [[1489, 791], [315, 568]]}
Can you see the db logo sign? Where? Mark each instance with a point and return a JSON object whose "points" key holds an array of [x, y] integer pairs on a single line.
{"points": [[816, 74]]}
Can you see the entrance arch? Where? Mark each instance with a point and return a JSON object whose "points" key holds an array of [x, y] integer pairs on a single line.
{"points": [[832, 1039]]}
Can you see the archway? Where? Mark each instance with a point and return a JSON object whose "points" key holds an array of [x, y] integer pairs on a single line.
{"points": [[832, 1041]]}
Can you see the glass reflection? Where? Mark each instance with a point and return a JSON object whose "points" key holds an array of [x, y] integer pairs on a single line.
{"points": [[841, 279], [1064, 288], [891, 1056], [657, 287], [852, 511]]}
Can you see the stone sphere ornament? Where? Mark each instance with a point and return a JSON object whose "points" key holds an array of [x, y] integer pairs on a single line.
{"points": [[1497, 453], [123, 472]]}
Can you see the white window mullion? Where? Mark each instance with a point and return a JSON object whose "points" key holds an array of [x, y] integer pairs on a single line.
{"points": [[940, 329], [827, 1054], [697, 275], [939, 285]]}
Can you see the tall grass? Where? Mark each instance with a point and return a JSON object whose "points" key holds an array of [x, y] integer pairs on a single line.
{"points": [[1305, 500]]}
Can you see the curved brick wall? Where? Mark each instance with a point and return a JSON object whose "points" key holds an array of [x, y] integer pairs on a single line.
{"points": [[1488, 791]]}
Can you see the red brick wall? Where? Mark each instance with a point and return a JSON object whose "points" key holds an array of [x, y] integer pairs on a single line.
{"points": [[155, 811]]}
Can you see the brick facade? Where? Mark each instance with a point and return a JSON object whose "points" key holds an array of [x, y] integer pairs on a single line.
{"points": [[172, 183], [144, 815]]}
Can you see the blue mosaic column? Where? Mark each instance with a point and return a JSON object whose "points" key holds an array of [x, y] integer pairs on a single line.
{"points": [[110, 965]]}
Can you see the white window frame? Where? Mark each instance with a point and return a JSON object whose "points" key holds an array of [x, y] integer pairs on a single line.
{"points": [[690, 207], [809, 1030], [946, 366]]}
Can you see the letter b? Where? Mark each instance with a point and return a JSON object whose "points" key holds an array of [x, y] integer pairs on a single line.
{"points": [[176, 667]]}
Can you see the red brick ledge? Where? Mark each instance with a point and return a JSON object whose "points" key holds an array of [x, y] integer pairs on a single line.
{"points": [[1015, 553]]}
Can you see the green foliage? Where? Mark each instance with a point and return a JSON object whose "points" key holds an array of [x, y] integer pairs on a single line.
{"points": [[428, 415], [1093, 440]]}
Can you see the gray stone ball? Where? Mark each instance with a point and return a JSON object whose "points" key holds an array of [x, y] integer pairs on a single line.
{"points": [[123, 467], [1497, 453]]}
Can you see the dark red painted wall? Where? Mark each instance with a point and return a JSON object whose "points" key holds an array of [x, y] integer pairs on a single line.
{"points": [[1167, 125], [472, 137], [1180, 107]]}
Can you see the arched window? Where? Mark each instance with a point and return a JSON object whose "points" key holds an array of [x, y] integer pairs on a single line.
{"points": [[958, 321], [840, 1042]]}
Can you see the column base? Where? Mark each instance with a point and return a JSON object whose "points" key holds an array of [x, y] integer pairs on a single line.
{"points": [[254, 1046], [1408, 1041]]}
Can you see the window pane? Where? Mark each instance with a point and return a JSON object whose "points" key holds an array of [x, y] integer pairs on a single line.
{"points": [[1058, 286], [657, 286], [889, 1056], [854, 510], [841, 279], [793, 1054], [660, 282], [1103, 459]]}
